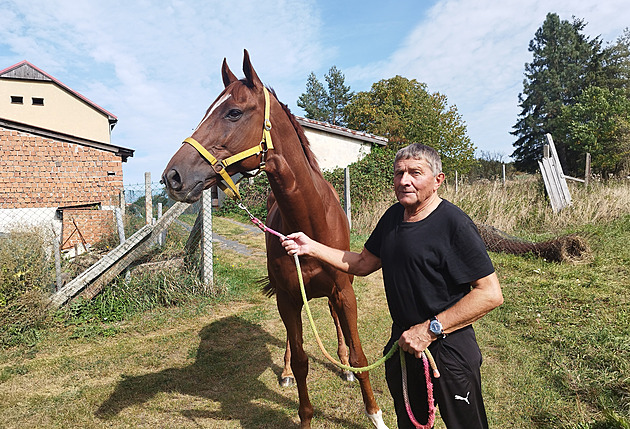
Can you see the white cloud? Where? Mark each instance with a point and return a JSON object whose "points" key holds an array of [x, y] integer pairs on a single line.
{"points": [[156, 64], [474, 52]]}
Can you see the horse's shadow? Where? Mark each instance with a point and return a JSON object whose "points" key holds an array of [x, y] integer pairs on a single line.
{"points": [[225, 344]]}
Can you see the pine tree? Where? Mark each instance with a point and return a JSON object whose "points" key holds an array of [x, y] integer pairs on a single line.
{"points": [[315, 100], [565, 62], [338, 96], [326, 105]]}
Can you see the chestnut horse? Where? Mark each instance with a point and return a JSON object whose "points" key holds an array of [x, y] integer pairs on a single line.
{"points": [[228, 141]]}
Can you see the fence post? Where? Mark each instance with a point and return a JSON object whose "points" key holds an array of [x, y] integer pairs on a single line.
{"points": [[148, 202], [206, 239], [119, 224], [122, 202], [162, 236], [56, 244], [587, 169], [503, 173], [456, 181], [346, 196]]}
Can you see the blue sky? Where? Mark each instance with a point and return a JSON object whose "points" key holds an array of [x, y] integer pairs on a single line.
{"points": [[156, 64]]}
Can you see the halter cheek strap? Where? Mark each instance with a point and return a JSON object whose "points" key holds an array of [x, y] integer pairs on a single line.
{"points": [[220, 165]]}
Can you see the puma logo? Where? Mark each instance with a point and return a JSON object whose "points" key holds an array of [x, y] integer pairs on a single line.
{"points": [[461, 398]]}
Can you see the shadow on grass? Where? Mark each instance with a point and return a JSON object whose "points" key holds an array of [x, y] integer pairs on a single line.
{"points": [[230, 359]]}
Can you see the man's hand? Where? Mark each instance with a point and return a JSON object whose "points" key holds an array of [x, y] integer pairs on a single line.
{"points": [[297, 243], [416, 339]]}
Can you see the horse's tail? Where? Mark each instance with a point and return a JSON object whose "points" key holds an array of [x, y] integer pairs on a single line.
{"points": [[267, 288]]}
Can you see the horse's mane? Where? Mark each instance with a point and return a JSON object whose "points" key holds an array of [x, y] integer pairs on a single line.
{"points": [[306, 146]]}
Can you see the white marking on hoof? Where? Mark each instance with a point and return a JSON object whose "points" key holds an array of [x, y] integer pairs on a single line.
{"points": [[377, 420], [287, 381], [348, 376]]}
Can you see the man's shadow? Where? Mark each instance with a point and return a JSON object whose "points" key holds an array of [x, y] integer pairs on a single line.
{"points": [[225, 345]]}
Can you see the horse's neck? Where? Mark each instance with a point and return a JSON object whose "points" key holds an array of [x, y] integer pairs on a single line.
{"points": [[300, 192]]}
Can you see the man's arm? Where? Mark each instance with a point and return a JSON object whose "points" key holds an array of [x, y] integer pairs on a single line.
{"points": [[485, 296], [360, 264]]}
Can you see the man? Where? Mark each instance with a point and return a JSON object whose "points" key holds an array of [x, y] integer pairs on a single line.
{"points": [[438, 280]]}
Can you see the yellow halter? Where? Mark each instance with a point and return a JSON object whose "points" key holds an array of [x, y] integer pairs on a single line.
{"points": [[220, 165]]}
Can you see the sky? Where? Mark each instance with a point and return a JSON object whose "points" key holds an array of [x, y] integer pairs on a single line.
{"points": [[156, 65]]}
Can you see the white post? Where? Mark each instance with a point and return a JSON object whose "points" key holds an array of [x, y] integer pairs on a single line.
{"points": [[206, 239], [456, 182], [347, 205], [503, 168], [148, 201], [119, 224], [162, 236]]}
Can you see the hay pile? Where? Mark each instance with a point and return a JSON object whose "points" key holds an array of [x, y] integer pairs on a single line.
{"points": [[568, 248]]}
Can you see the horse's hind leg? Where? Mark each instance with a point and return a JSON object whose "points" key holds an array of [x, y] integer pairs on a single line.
{"points": [[342, 349], [345, 304], [287, 379], [290, 312]]}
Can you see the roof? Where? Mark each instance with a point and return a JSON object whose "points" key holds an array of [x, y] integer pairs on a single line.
{"points": [[123, 152], [27, 71], [347, 132]]}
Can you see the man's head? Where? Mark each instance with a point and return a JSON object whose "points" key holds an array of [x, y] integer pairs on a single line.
{"points": [[417, 176], [420, 151]]}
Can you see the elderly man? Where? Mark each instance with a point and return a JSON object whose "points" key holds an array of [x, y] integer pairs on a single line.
{"points": [[438, 280]]}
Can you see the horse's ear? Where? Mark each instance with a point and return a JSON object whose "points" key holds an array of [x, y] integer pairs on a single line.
{"points": [[251, 77], [226, 73]]}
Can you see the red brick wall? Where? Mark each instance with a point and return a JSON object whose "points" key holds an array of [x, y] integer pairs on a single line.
{"points": [[41, 172], [94, 226]]}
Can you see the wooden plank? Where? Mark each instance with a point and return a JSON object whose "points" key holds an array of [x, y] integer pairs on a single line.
{"points": [[124, 253], [554, 178], [566, 195]]}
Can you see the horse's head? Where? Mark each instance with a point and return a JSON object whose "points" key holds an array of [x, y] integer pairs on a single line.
{"points": [[232, 137]]}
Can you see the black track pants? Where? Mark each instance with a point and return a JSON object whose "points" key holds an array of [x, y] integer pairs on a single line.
{"points": [[457, 391]]}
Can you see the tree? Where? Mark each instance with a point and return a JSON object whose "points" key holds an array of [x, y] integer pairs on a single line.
{"points": [[338, 96], [565, 62], [326, 105], [313, 101], [599, 123], [403, 111]]}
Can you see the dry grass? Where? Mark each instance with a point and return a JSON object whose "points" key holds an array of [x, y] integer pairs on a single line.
{"points": [[521, 207]]}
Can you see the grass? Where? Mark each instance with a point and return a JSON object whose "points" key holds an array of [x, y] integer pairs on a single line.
{"points": [[556, 353]]}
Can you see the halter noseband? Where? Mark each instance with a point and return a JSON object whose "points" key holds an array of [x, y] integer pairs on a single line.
{"points": [[220, 165]]}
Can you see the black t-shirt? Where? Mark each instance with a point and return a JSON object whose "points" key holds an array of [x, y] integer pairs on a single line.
{"points": [[427, 265]]}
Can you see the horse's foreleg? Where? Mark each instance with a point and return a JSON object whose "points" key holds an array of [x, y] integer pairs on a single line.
{"points": [[342, 349], [287, 379], [290, 312], [345, 304]]}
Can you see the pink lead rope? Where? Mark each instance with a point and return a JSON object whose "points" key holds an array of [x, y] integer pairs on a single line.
{"points": [[427, 376]]}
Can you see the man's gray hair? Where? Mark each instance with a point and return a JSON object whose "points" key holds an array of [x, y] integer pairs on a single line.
{"points": [[420, 151]]}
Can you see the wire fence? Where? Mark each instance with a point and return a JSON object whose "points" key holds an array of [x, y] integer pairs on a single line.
{"points": [[72, 251]]}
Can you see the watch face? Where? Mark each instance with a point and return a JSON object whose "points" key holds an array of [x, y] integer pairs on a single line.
{"points": [[435, 327]]}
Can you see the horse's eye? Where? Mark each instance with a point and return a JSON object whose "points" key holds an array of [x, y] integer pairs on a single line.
{"points": [[234, 115]]}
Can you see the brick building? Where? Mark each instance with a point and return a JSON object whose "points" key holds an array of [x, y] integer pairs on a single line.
{"points": [[58, 168]]}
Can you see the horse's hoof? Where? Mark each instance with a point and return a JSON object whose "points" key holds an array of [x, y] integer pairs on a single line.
{"points": [[377, 420], [287, 381], [348, 376]]}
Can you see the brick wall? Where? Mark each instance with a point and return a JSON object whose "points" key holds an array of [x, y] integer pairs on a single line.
{"points": [[42, 172], [94, 225]]}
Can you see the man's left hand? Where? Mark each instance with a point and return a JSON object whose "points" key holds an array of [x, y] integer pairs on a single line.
{"points": [[416, 339]]}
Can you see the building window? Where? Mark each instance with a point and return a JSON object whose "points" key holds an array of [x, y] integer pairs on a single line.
{"points": [[37, 101], [17, 99]]}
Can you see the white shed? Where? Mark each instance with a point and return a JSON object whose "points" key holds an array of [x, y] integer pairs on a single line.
{"points": [[338, 147]]}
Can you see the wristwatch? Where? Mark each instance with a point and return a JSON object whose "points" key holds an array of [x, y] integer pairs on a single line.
{"points": [[436, 327]]}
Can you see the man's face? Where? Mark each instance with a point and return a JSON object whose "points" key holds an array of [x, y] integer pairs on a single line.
{"points": [[414, 182]]}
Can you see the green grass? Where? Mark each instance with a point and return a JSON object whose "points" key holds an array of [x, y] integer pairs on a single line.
{"points": [[556, 353]]}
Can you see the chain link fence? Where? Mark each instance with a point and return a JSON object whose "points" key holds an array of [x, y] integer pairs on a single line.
{"points": [[78, 250]]}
